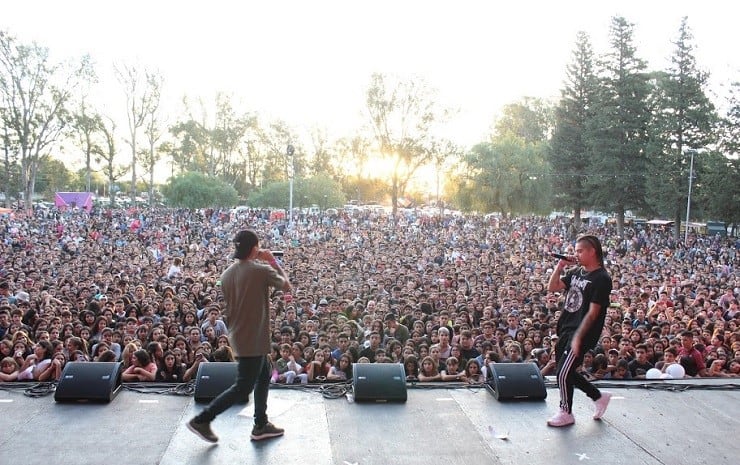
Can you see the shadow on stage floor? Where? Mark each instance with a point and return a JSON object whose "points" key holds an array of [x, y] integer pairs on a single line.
{"points": [[660, 422]]}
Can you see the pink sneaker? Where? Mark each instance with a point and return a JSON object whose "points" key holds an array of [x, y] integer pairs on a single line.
{"points": [[562, 418], [601, 404]]}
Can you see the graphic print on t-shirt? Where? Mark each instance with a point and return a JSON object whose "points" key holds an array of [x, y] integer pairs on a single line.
{"points": [[574, 299]]}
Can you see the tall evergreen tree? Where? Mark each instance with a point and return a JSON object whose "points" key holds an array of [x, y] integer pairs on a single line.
{"points": [[618, 132], [722, 199], [684, 121], [568, 154], [730, 124]]}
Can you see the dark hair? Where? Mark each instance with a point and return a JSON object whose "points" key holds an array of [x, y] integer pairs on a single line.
{"points": [[107, 356], [48, 349], [594, 242], [244, 242], [143, 357], [223, 354]]}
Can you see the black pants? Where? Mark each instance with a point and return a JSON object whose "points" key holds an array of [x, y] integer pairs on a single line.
{"points": [[568, 377], [253, 373]]}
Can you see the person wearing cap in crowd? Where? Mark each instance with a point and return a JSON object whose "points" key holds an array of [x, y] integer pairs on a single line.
{"points": [[246, 287], [322, 306], [580, 324]]}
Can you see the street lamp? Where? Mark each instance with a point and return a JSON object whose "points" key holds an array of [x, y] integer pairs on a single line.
{"points": [[290, 152], [688, 201]]}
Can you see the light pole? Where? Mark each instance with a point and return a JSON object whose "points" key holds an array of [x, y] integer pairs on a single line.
{"points": [[291, 151], [688, 201]]}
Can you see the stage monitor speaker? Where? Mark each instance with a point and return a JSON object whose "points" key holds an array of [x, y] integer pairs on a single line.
{"points": [[517, 381], [213, 378], [89, 382], [379, 382]]}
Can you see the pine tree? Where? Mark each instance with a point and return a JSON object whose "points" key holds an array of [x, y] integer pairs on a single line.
{"points": [[722, 198], [618, 131], [568, 154], [684, 121]]}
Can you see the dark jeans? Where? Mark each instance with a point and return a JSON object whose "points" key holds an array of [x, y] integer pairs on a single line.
{"points": [[253, 373]]}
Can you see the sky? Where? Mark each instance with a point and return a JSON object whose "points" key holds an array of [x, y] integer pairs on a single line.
{"points": [[309, 62]]}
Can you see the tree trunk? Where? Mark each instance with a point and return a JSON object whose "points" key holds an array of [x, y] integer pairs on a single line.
{"points": [[677, 224], [620, 221]]}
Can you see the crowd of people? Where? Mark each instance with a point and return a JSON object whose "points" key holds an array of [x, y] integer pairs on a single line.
{"points": [[445, 296]]}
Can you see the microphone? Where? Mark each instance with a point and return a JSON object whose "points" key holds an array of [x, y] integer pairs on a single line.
{"points": [[560, 256]]}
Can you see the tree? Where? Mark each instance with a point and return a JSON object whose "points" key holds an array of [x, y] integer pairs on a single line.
{"points": [[52, 177], [683, 121], [34, 93], [568, 155], [618, 131], [108, 155], [720, 192], [142, 90], [319, 190], [153, 133], [445, 155], [722, 196], [86, 125], [231, 137], [321, 162], [196, 190], [730, 124], [277, 164], [505, 175], [351, 155], [194, 141], [402, 115], [226, 146], [528, 119], [11, 184]]}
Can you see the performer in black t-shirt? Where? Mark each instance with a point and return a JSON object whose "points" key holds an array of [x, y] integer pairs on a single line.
{"points": [[588, 287]]}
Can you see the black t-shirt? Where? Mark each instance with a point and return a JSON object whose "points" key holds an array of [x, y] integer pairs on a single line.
{"points": [[467, 354], [634, 366], [583, 288]]}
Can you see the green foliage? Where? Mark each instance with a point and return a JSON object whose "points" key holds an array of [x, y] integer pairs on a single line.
{"points": [[366, 189], [402, 115], [730, 124], [34, 95], [684, 120], [618, 132], [569, 153], [508, 176], [529, 119], [719, 190], [53, 176], [195, 190], [318, 190]]}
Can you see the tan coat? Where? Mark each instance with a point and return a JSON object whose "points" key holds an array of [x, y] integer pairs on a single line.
{"points": [[246, 287]]}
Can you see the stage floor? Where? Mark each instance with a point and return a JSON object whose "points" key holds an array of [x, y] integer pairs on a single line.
{"points": [[698, 424]]}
